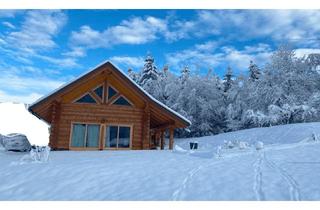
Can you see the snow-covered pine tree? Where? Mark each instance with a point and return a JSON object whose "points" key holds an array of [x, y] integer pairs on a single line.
{"points": [[313, 61], [254, 71], [165, 85], [228, 79], [133, 75], [185, 74], [149, 71], [149, 79]]}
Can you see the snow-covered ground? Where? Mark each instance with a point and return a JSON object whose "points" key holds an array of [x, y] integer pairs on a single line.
{"points": [[287, 168]]}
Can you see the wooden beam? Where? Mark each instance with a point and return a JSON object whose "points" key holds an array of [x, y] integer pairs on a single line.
{"points": [[54, 128], [113, 98], [162, 140], [101, 140], [171, 138], [95, 96], [105, 91], [163, 126]]}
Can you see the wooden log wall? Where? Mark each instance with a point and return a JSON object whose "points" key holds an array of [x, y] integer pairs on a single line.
{"points": [[100, 114]]}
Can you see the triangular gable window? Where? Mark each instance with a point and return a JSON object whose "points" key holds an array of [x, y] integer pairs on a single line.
{"points": [[111, 92], [122, 101], [99, 91], [86, 99]]}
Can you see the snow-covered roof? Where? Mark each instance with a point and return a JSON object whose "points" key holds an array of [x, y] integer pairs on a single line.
{"points": [[127, 77]]}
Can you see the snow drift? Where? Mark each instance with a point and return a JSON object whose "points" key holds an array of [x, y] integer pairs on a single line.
{"points": [[15, 118]]}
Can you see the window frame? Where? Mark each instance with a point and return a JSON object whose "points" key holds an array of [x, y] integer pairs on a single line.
{"points": [[103, 91], [85, 136], [113, 102], [117, 125], [86, 93], [102, 136], [107, 91]]}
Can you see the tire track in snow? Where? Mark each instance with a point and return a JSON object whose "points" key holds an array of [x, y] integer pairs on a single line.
{"points": [[257, 186], [293, 185], [177, 195]]}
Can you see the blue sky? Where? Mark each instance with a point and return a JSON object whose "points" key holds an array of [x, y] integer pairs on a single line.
{"points": [[42, 49]]}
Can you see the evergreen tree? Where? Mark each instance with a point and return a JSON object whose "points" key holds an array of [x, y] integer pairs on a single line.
{"points": [[254, 71], [185, 74], [133, 75], [149, 71], [228, 79], [313, 61]]}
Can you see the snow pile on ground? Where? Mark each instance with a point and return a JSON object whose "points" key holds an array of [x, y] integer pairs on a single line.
{"points": [[15, 118], [288, 171], [36, 155]]}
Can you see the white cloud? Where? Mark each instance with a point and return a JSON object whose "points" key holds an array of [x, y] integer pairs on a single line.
{"points": [[87, 37], [35, 38], [19, 83], [133, 31], [8, 24], [62, 62], [17, 98], [127, 61], [279, 25], [207, 55], [37, 30], [76, 52]]}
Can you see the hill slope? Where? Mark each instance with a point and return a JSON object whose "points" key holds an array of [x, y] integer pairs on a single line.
{"points": [[287, 168]]}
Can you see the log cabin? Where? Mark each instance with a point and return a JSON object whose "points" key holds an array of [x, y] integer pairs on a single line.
{"points": [[104, 109]]}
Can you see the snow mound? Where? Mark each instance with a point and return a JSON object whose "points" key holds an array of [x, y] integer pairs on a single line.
{"points": [[15, 118], [259, 145], [282, 134]]}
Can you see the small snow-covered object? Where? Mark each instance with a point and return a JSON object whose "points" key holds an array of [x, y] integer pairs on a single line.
{"points": [[259, 145], [16, 142], [230, 144], [314, 137], [178, 149], [40, 153], [219, 152], [243, 145]]}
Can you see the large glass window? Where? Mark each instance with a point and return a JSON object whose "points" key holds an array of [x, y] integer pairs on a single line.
{"points": [[85, 135], [111, 136], [111, 92], [93, 133], [78, 135], [99, 91], [117, 137], [122, 101], [86, 99], [124, 137]]}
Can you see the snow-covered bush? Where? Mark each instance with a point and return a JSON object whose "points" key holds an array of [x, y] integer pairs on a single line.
{"points": [[254, 119], [259, 145], [279, 115], [243, 145], [230, 145]]}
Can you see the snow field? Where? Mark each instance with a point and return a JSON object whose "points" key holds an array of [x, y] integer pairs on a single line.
{"points": [[279, 171]]}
